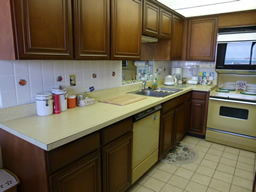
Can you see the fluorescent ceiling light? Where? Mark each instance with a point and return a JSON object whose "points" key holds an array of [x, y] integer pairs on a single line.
{"points": [[191, 8], [185, 4]]}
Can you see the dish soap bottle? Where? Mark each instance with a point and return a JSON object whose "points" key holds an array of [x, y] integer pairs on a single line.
{"points": [[155, 83]]}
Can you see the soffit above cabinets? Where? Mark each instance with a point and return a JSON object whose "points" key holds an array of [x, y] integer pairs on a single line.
{"points": [[192, 8]]}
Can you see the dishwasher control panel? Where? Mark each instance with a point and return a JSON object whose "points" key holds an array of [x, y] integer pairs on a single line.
{"points": [[146, 112]]}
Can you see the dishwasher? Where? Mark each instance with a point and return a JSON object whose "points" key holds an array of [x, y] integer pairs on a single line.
{"points": [[145, 141]]}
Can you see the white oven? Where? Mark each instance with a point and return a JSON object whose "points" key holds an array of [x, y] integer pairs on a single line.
{"points": [[232, 122]]}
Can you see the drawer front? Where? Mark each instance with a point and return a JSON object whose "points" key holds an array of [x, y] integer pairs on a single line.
{"points": [[169, 105], [199, 95], [73, 151], [116, 130]]}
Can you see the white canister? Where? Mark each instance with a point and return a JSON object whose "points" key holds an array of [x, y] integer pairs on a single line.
{"points": [[44, 104], [63, 97]]}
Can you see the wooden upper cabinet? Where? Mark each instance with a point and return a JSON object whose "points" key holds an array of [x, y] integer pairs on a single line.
{"points": [[126, 29], [237, 19], [177, 36], [150, 19], [92, 29], [202, 33], [165, 24], [43, 29]]}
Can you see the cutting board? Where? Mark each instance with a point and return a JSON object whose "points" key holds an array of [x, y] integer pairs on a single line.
{"points": [[123, 99]]}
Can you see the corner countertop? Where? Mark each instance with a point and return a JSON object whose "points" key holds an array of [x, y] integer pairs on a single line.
{"points": [[53, 131]]}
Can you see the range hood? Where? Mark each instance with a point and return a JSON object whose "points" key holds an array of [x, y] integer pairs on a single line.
{"points": [[147, 39]]}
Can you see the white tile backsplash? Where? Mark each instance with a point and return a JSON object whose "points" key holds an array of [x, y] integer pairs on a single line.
{"points": [[21, 67], [41, 76], [6, 68], [7, 83], [8, 98]]}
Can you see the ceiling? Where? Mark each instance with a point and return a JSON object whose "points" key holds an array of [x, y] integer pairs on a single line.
{"points": [[191, 8]]}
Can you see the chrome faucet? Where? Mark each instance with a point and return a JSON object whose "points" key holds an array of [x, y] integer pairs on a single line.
{"points": [[144, 82]]}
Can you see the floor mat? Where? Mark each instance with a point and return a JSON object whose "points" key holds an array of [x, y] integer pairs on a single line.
{"points": [[181, 154]]}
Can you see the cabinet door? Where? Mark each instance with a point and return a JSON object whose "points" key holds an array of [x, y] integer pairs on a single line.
{"points": [[150, 19], [202, 35], [166, 133], [92, 29], [126, 28], [197, 117], [43, 29], [188, 110], [116, 161], [180, 123], [165, 24], [83, 175], [177, 34]]}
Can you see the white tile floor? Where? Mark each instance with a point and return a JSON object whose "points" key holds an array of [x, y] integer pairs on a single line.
{"points": [[219, 168]]}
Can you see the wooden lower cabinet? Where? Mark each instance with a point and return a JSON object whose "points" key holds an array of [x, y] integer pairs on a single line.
{"points": [[166, 133], [174, 123], [116, 160], [199, 109], [180, 122], [84, 175], [97, 162]]}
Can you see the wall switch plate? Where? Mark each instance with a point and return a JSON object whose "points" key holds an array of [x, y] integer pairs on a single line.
{"points": [[72, 79]]}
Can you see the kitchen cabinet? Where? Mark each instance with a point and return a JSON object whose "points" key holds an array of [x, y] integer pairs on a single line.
{"points": [[237, 19], [117, 167], [201, 41], [165, 24], [166, 133], [177, 37], [173, 127], [117, 156], [45, 29], [126, 29], [42, 29], [180, 114], [150, 19], [83, 175], [157, 22], [92, 29], [55, 170], [199, 109], [97, 162]]}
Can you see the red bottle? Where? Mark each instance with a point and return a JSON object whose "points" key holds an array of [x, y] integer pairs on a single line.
{"points": [[56, 104]]}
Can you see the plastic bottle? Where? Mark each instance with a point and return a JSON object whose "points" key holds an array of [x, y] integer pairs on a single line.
{"points": [[155, 83]]}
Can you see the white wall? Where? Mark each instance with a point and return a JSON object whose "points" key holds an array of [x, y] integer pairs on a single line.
{"points": [[41, 76]]}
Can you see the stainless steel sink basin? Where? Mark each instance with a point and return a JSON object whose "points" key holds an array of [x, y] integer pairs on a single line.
{"points": [[159, 92], [168, 89]]}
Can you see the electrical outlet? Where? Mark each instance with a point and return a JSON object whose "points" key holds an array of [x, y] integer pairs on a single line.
{"points": [[72, 79]]}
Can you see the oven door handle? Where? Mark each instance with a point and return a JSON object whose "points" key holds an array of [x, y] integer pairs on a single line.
{"points": [[232, 101]]}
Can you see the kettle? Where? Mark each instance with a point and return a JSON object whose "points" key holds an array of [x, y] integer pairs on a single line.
{"points": [[170, 80]]}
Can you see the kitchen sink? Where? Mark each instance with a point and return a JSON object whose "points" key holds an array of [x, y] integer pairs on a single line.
{"points": [[159, 92], [168, 89]]}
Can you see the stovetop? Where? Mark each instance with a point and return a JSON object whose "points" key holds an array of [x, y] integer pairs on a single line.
{"points": [[230, 90]]}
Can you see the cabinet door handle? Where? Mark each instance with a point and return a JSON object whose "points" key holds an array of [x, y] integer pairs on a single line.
{"points": [[155, 117]]}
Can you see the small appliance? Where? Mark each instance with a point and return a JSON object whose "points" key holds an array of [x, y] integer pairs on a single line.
{"points": [[178, 72], [170, 80]]}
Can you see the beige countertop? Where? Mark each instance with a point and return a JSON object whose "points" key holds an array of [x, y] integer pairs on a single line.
{"points": [[52, 131]]}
